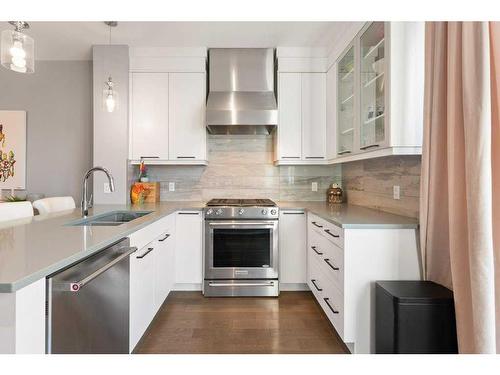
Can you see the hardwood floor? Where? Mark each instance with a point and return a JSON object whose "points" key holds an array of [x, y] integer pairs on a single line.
{"points": [[191, 323]]}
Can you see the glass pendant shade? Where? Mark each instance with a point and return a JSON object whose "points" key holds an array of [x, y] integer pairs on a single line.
{"points": [[109, 96], [17, 51]]}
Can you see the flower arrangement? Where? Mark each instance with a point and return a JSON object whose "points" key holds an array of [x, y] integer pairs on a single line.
{"points": [[138, 193], [143, 172]]}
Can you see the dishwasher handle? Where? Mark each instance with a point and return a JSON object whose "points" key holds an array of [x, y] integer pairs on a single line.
{"points": [[76, 286]]}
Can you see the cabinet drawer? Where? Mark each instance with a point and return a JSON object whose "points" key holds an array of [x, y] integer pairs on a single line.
{"points": [[328, 257], [332, 301], [330, 298], [332, 263], [314, 280], [326, 229]]}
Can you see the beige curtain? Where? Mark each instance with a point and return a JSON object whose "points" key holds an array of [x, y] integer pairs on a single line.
{"points": [[460, 186]]}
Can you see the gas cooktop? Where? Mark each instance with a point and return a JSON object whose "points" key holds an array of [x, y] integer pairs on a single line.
{"points": [[235, 209], [241, 203]]}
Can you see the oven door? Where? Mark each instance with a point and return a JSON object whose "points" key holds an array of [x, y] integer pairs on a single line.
{"points": [[241, 249]]}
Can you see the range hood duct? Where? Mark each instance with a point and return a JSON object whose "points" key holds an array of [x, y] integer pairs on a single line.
{"points": [[241, 97]]}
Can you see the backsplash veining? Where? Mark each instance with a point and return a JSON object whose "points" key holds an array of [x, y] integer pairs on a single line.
{"points": [[241, 166], [370, 183]]}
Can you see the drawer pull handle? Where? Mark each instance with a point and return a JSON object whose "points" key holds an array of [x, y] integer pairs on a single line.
{"points": [[314, 283], [316, 251], [330, 306], [316, 224], [327, 261], [164, 238], [331, 234], [150, 249]]}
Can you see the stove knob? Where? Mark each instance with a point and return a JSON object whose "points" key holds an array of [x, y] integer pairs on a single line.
{"points": [[210, 211], [264, 212], [218, 212], [273, 212], [241, 211]]}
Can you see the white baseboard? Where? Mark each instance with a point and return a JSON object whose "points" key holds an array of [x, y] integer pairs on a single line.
{"points": [[187, 287], [289, 287]]}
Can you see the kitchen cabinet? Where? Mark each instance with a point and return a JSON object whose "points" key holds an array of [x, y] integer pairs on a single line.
{"points": [[152, 273], [23, 320], [342, 266], [380, 90], [165, 267], [372, 86], [313, 116], [167, 118], [292, 245], [142, 291], [301, 118], [149, 116], [346, 98], [188, 250], [187, 134], [290, 116]]}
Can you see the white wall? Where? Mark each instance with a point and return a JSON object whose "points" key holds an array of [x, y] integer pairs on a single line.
{"points": [[57, 98]]}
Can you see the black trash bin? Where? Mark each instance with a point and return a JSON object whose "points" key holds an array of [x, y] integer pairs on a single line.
{"points": [[414, 317]]}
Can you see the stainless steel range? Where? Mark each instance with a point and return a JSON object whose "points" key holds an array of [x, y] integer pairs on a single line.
{"points": [[241, 248]]}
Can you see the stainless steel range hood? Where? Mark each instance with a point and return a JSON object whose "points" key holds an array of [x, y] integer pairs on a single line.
{"points": [[241, 96]]}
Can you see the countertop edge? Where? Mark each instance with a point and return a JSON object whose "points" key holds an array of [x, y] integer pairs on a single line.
{"points": [[43, 273], [23, 282], [352, 226]]}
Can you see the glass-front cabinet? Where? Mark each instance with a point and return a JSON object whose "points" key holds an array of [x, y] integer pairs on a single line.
{"points": [[346, 106], [372, 85]]}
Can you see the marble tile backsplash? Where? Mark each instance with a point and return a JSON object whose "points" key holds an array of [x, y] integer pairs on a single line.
{"points": [[241, 166], [370, 183]]}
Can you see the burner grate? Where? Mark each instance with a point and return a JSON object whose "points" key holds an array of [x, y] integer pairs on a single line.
{"points": [[241, 202]]}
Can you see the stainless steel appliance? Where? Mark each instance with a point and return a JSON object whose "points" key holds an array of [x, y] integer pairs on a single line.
{"points": [[241, 248], [241, 97], [88, 304]]}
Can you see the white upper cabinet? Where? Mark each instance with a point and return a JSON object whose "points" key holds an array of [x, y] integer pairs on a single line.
{"points": [[301, 119], [380, 78], [149, 116], [290, 116], [187, 133], [313, 116], [167, 106]]}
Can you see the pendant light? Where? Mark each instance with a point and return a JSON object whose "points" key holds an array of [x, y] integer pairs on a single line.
{"points": [[109, 94], [18, 49]]}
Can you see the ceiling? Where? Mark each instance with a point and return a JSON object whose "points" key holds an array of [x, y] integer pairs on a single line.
{"points": [[73, 40]]}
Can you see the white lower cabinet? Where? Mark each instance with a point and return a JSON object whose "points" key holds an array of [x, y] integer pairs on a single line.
{"points": [[165, 268], [152, 274], [292, 242], [188, 250], [342, 266], [142, 292]]}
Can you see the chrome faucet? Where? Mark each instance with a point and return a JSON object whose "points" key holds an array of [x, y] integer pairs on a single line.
{"points": [[86, 204]]}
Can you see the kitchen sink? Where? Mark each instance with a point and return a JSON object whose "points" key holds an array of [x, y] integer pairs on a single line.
{"points": [[107, 219]]}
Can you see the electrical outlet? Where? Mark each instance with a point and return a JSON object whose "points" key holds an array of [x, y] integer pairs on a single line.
{"points": [[314, 186], [107, 189], [396, 193], [171, 186]]}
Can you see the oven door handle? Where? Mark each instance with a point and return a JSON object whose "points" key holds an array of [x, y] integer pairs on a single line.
{"points": [[240, 222], [270, 283]]}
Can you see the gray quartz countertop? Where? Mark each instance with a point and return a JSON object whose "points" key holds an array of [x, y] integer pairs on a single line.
{"points": [[33, 248], [349, 216]]}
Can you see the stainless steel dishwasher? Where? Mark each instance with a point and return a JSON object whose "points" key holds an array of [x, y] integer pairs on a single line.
{"points": [[88, 304]]}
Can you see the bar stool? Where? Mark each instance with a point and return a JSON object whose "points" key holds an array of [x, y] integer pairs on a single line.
{"points": [[15, 210], [54, 204]]}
